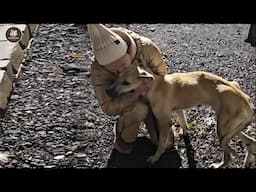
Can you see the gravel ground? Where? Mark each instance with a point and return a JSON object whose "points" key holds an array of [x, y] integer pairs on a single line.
{"points": [[54, 120]]}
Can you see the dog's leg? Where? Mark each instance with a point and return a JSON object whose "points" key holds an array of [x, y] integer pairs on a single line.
{"points": [[226, 130], [164, 134], [251, 147], [222, 126], [182, 120], [152, 127], [227, 153]]}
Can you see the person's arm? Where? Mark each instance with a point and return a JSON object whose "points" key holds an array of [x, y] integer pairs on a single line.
{"points": [[153, 57], [156, 61]]}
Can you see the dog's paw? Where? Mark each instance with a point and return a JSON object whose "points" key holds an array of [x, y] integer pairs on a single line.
{"points": [[152, 159], [217, 165]]}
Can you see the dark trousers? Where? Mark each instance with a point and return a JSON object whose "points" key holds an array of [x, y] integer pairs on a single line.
{"points": [[252, 35]]}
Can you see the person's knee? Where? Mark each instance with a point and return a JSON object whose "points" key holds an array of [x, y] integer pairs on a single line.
{"points": [[138, 113], [129, 123]]}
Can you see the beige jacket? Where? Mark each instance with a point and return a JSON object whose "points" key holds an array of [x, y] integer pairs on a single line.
{"points": [[144, 52]]}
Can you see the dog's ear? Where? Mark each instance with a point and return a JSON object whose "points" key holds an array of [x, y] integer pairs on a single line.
{"points": [[144, 74]]}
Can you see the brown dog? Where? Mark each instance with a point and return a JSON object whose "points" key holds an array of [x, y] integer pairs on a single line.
{"points": [[177, 91]]}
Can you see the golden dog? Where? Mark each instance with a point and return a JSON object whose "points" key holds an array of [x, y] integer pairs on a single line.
{"points": [[178, 91]]}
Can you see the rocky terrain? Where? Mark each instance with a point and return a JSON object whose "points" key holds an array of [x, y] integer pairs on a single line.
{"points": [[54, 120]]}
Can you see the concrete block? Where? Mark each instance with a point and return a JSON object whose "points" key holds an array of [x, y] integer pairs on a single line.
{"points": [[7, 66], [5, 89], [13, 52]]}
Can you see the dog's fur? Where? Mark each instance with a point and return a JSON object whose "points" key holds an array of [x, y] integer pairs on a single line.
{"points": [[177, 91]]}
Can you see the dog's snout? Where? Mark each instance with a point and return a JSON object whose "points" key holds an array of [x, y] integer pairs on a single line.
{"points": [[111, 92]]}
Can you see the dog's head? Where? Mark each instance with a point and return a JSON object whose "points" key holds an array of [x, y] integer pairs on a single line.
{"points": [[128, 81]]}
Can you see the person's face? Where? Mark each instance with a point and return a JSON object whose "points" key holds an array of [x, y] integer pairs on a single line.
{"points": [[119, 65]]}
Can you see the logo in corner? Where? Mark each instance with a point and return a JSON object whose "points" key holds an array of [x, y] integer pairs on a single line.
{"points": [[13, 34]]}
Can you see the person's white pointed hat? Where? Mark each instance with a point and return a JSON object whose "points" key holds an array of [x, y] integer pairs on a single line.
{"points": [[107, 45]]}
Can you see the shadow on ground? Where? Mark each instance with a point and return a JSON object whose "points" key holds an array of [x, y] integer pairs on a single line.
{"points": [[137, 159]]}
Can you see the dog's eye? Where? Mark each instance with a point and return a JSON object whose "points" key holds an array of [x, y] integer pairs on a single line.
{"points": [[126, 83]]}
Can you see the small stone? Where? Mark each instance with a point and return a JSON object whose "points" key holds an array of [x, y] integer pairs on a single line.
{"points": [[58, 157], [80, 155], [89, 125], [42, 133], [152, 29], [27, 144], [4, 158], [25, 166], [220, 54], [69, 153], [49, 166]]}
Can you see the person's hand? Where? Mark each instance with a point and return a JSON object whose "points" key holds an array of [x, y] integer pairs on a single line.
{"points": [[144, 87], [131, 100]]}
